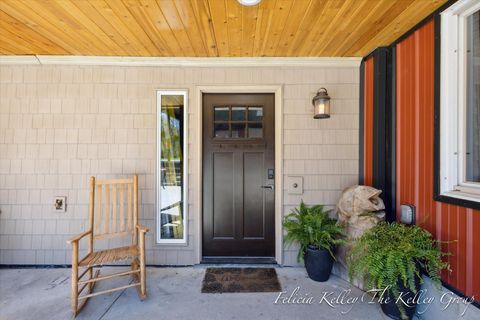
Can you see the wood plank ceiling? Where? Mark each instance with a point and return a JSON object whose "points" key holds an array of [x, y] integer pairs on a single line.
{"points": [[205, 28]]}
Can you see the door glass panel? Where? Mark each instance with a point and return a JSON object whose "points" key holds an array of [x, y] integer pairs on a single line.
{"points": [[232, 122], [238, 113], [222, 113], [473, 99], [255, 130], [171, 222], [221, 130], [255, 114], [238, 130]]}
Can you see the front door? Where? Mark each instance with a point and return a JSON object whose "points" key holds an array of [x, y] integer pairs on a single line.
{"points": [[238, 175]]}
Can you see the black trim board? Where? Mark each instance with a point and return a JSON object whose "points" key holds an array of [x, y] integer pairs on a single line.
{"points": [[437, 196], [383, 157], [392, 134], [383, 148], [361, 146]]}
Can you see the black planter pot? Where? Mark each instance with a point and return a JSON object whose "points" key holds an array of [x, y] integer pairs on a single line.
{"points": [[391, 309], [319, 263]]}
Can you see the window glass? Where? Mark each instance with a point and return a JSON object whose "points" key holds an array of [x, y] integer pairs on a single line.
{"points": [[238, 113], [472, 159], [222, 113], [221, 130], [171, 202], [255, 130], [238, 130], [255, 114]]}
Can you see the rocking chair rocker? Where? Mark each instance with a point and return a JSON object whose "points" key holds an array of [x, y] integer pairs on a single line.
{"points": [[109, 221]]}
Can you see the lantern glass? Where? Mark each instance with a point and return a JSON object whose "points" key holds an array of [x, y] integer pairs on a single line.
{"points": [[321, 105]]}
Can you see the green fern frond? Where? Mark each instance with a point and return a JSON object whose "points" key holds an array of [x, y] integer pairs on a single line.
{"points": [[390, 252], [312, 226]]}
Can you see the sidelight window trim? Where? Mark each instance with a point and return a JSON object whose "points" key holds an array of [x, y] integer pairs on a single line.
{"points": [[452, 182], [158, 239]]}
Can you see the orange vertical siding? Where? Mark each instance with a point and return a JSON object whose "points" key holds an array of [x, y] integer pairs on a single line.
{"points": [[368, 122], [415, 157]]}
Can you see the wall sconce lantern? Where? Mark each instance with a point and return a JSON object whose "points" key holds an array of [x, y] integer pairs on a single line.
{"points": [[321, 104]]}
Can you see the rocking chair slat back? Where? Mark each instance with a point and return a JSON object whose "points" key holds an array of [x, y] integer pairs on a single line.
{"points": [[114, 208], [91, 205], [98, 209], [129, 207], [109, 214], [122, 207], [135, 208], [106, 224]]}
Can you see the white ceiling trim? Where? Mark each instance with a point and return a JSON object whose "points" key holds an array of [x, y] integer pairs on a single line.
{"points": [[183, 62], [19, 60]]}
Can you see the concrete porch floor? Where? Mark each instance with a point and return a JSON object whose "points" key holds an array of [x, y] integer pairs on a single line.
{"points": [[173, 293]]}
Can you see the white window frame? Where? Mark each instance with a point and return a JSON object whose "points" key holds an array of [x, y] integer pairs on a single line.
{"points": [[160, 93], [453, 94]]}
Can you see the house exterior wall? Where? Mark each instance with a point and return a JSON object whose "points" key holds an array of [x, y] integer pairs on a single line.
{"points": [[61, 124], [415, 159]]}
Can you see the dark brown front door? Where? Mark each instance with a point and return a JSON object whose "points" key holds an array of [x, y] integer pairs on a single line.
{"points": [[238, 175]]}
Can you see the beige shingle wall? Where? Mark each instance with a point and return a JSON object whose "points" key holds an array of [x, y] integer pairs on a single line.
{"points": [[61, 124]]}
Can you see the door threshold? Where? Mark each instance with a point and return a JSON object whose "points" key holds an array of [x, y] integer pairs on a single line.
{"points": [[238, 260]]}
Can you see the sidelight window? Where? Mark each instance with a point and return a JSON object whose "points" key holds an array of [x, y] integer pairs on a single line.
{"points": [[171, 163]]}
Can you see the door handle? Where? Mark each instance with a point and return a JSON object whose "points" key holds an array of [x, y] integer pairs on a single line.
{"points": [[268, 186]]}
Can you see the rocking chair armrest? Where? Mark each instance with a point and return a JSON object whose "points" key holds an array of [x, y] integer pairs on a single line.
{"points": [[141, 228], [79, 236]]}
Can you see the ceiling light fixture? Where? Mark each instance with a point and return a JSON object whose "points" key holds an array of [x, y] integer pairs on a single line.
{"points": [[249, 2]]}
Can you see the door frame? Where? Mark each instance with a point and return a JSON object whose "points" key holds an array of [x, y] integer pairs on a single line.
{"points": [[277, 90]]}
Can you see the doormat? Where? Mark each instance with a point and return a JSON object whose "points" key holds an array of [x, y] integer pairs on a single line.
{"points": [[229, 280]]}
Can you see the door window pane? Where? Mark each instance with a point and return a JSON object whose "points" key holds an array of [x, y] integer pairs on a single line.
{"points": [[255, 114], [238, 113], [472, 159], [222, 113], [171, 219], [221, 130], [255, 130], [238, 130]]}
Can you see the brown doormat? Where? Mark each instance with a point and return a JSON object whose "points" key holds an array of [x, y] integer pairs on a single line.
{"points": [[222, 280]]}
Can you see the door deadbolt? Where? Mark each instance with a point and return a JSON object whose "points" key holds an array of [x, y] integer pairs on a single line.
{"points": [[271, 174]]}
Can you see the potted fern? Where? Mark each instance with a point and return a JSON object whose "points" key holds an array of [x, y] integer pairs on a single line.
{"points": [[317, 235], [391, 257]]}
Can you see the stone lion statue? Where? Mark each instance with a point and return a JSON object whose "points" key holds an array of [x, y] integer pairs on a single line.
{"points": [[359, 209]]}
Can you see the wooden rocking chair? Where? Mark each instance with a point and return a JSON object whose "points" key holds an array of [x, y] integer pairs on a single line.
{"points": [[107, 220]]}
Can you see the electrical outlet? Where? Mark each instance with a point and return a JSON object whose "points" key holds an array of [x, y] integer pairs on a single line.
{"points": [[407, 213], [294, 184], [60, 204]]}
